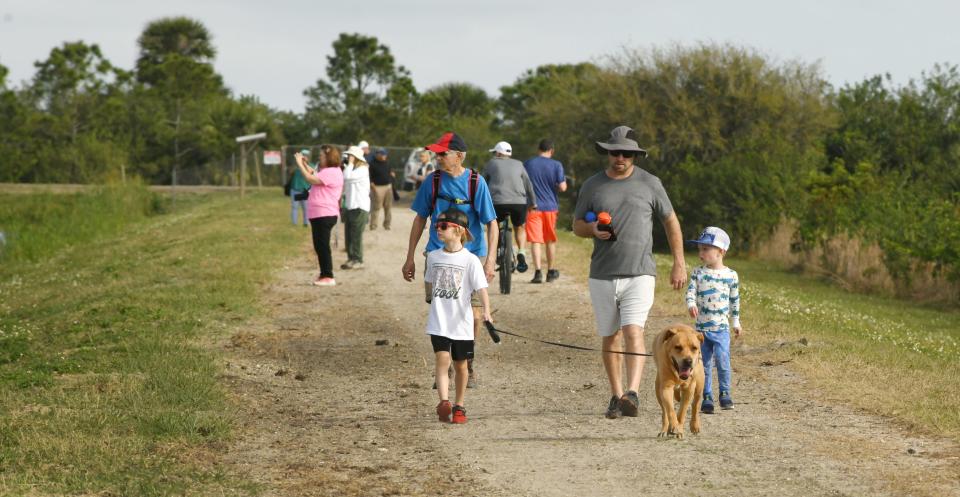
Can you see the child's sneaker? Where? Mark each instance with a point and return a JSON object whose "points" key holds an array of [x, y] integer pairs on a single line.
{"points": [[552, 275], [443, 410], [707, 406], [537, 277], [726, 402], [459, 415]]}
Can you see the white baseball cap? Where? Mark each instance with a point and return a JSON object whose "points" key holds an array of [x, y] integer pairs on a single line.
{"points": [[502, 147], [363, 144], [713, 236]]}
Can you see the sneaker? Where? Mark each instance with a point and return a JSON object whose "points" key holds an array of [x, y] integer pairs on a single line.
{"points": [[707, 406], [459, 415], [471, 376], [629, 404], [347, 265], [613, 409], [324, 282], [357, 265], [552, 274], [537, 277], [726, 402], [521, 263], [443, 411]]}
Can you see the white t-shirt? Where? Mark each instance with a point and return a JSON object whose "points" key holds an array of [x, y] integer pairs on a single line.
{"points": [[356, 187], [455, 276]]}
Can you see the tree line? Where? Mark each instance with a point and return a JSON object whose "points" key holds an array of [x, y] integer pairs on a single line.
{"points": [[740, 140]]}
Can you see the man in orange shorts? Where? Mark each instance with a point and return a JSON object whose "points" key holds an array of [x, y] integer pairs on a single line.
{"points": [[547, 177]]}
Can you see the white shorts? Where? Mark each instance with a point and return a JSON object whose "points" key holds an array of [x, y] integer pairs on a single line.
{"points": [[621, 301]]}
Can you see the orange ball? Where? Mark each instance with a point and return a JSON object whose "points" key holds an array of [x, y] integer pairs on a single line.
{"points": [[604, 218]]}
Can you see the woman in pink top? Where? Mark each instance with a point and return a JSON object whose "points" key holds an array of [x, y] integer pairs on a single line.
{"points": [[323, 206]]}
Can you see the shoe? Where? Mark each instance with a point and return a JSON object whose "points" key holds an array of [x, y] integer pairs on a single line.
{"points": [[707, 406], [443, 411], [613, 409], [347, 265], [537, 277], [521, 263], [459, 415], [552, 274], [726, 402], [471, 376], [629, 404], [357, 265], [324, 282]]}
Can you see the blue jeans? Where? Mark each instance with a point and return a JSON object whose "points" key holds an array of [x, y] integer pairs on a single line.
{"points": [[716, 349], [294, 204]]}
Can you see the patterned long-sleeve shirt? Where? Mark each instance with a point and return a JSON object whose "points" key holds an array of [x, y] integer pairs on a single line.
{"points": [[716, 295]]}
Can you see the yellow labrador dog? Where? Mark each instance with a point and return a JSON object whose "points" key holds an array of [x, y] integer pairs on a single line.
{"points": [[679, 377]]}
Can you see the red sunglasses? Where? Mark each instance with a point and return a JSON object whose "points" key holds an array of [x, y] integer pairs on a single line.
{"points": [[442, 225]]}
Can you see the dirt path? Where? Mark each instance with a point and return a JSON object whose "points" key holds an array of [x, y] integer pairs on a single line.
{"points": [[326, 411]]}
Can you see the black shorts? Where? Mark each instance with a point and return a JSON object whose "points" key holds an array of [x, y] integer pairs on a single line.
{"points": [[517, 213], [459, 349]]}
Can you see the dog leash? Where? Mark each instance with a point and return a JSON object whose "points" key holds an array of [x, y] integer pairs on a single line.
{"points": [[494, 334]]}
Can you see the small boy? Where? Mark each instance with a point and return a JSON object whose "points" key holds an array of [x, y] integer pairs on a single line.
{"points": [[713, 296], [453, 274]]}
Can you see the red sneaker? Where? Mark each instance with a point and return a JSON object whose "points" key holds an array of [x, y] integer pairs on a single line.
{"points": [[459, 415], [443, 410]]}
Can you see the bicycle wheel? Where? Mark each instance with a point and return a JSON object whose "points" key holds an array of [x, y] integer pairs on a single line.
{"points": [[506, 261]]}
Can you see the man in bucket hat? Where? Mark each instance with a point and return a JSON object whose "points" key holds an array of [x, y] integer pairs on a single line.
{"points": [[462, 189], [626, 199]]}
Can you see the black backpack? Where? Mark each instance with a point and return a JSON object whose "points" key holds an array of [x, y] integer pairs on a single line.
{"points": [[474, 181]]}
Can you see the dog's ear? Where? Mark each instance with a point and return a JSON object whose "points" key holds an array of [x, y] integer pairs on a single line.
{"points": [[670, 332]]}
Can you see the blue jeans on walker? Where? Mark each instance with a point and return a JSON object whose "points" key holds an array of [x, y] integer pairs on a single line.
{"points": [[294, 204], [716, 349]]}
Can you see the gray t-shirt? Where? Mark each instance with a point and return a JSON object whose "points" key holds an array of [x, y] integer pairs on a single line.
{"points": [[508, 182], [632, 203]]}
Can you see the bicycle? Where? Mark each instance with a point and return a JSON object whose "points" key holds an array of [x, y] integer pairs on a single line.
{"points": [[506, 261]]}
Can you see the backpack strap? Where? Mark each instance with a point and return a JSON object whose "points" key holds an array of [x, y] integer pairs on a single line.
{"points": [[474, 181], [436, 191]]}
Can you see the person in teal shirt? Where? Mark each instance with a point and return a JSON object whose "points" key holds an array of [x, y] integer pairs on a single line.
{"points": [[299, 185]]}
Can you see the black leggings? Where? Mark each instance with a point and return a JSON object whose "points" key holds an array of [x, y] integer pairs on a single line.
{"points": [[321, 228]]}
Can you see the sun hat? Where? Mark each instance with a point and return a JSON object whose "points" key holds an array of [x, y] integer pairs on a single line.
{"points": [[449, 141], [357, 152], [621, 140], [713, 236], [503, 148], [458, 217]]}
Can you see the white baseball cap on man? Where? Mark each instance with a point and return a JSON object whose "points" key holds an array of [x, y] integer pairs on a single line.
{"points": [[503, 148], [363, 144], [713, 236]]}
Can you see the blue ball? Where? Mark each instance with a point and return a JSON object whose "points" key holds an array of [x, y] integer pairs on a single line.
{"points": [[590, 216]]}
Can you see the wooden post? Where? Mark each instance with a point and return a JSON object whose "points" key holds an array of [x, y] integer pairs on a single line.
{"points": [[243, 169], [257, 159]]}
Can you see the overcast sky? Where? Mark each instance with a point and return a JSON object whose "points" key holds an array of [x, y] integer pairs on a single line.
{"points": [[275, 49]]}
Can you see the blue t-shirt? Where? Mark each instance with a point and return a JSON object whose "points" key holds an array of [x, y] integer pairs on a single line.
{"points": [[480, 212], [545, 174]]}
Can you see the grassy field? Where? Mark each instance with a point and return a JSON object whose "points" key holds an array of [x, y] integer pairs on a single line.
{"points": [[886, 356], [105, 387]]}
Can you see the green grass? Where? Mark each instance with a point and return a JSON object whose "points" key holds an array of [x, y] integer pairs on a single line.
{"points": [[887, 356], [105, 386]]}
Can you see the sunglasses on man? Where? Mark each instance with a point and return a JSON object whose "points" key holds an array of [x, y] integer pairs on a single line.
{"points": [[626, 154]]}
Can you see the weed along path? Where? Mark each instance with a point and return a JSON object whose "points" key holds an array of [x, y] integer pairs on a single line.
{"points": [[322, 409]]}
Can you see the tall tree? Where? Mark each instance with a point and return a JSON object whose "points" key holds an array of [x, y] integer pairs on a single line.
{"points": [[169, 37], [361, 75]]}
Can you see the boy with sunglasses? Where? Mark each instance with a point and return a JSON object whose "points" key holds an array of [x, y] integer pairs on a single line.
{"points": [[622, 268], [453, 275]]}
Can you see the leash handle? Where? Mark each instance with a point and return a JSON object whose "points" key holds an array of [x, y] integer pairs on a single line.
{"points": [[493, 332]]}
